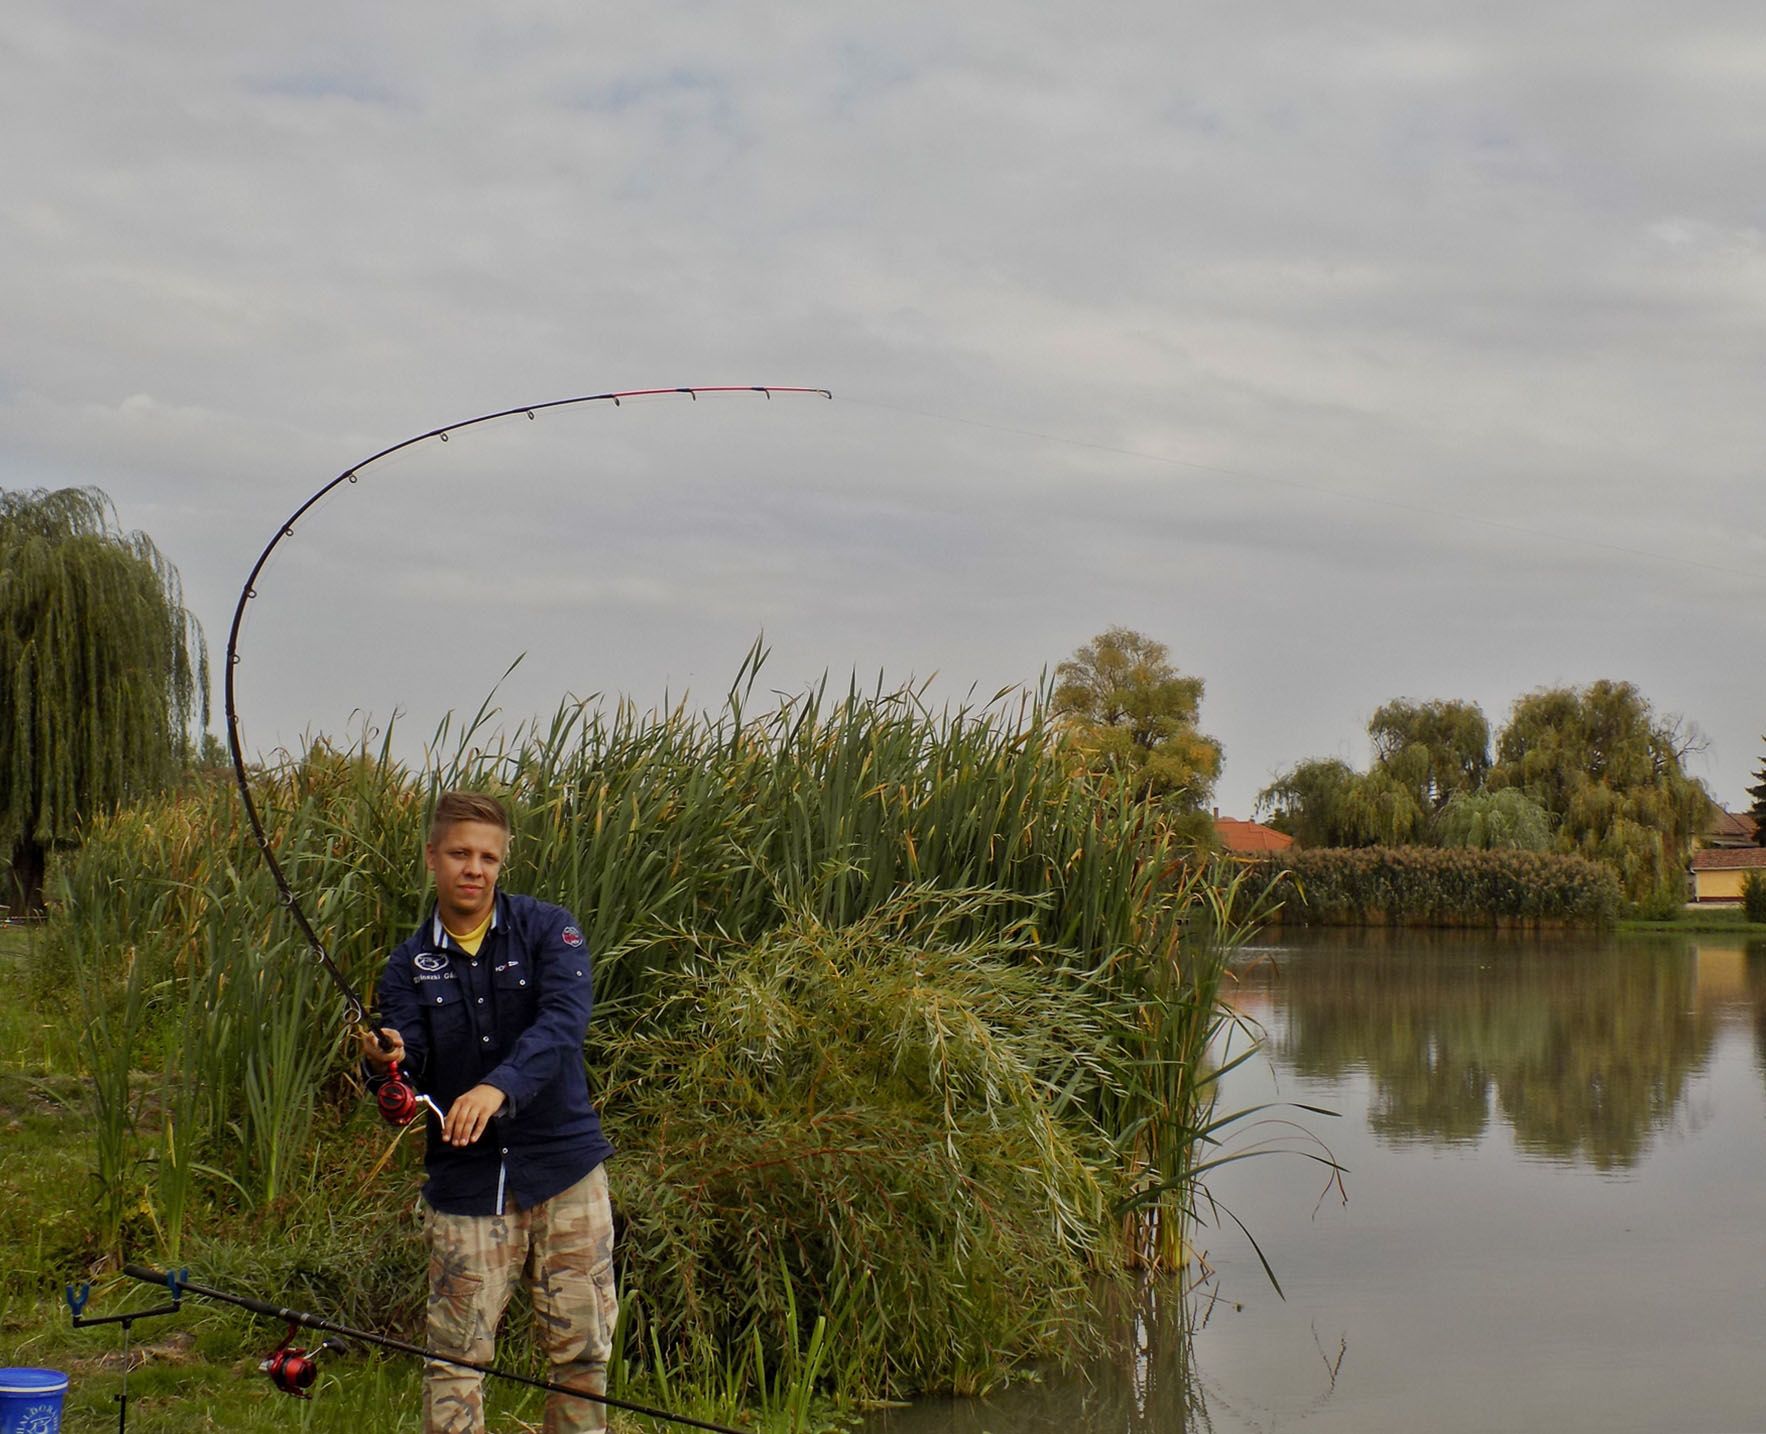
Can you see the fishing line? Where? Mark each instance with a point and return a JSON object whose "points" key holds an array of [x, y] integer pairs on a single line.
{"points": [[355, 1009], [1301, 485], [293, 1370]]}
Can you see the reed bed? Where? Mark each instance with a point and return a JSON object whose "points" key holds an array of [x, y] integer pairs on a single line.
{"points": [[1435, 886], [901, 1024]]}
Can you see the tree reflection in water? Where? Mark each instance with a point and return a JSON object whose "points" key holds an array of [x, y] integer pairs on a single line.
{"points": [[1754, 965], [1145, 1384], [1584, 1045]]}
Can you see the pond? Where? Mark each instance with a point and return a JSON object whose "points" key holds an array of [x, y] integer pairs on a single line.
{"points": [[1552, 1216]]}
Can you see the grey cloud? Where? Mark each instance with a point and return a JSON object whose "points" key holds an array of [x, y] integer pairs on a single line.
{"points": [[1498, 262]]}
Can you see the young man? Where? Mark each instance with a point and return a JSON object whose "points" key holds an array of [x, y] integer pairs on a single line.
{"points": [[486, 1006]]}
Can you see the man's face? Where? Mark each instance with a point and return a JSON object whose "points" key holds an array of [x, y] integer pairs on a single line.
{"points": [[465, 859]]}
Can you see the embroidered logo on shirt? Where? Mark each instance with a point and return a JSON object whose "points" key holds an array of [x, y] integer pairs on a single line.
{"points": [[572, 937], [431, 961]]}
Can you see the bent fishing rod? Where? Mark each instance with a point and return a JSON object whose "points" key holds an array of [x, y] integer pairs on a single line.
{"points": [[293, 1370], [394, 1105]]}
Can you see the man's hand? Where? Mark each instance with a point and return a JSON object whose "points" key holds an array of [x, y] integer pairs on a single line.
{"points": [[471, 1113], [374, 1055]]}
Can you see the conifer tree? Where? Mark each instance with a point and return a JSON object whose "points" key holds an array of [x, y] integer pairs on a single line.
{"points": [[1758, 810], [103, 675]]}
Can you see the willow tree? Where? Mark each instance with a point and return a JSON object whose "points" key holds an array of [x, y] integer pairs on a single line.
{"points": [[1437, 750], [1312, 801], [103, 674], [1506, 819], [1612, 776]]}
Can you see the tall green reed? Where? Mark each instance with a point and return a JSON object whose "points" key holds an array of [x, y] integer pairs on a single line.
{"points": [[1021, 969]]}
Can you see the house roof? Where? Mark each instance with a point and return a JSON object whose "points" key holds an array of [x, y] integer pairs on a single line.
{"points": [[1730, 858], [1250, 838], [1730, 826]]}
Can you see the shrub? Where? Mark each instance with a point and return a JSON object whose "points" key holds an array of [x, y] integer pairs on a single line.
{"points": [[866, 1131], [1753, 896], [1432, 886], [1663, 904]]}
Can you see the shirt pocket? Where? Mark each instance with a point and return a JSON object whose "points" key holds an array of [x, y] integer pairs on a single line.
{"points": [[444, 1007], [517, 996]]}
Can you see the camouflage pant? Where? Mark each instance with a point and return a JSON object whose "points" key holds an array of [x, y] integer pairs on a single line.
{"points": [[564, 1249]]}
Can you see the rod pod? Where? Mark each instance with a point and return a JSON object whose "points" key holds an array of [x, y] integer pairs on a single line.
{"points": [[181, 1286]]}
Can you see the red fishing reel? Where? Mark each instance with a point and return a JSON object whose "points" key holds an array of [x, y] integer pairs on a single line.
{"points": [[397, 1098], [293, 1370]]}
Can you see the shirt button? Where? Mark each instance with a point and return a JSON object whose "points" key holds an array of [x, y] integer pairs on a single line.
{"points": [[481, 1000], [505, 1150], [438, 1000], [487, 1040], [522, 981]]}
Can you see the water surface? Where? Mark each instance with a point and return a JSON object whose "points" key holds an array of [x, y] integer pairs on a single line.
{"points": [[1553, 1215]]}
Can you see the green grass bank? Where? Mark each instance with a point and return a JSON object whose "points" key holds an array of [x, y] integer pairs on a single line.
{"points": [[1694, 920]]}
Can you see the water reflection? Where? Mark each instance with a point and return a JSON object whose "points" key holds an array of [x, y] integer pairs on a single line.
{"points": [[1145, 1384], [1581, 1055], [1583, 1052]]}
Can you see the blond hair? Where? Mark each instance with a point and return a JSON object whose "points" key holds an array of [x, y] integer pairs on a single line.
{"points": [[453, 807]]}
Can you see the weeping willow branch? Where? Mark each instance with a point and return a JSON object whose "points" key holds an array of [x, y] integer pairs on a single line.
{"points": [[103, 674]]}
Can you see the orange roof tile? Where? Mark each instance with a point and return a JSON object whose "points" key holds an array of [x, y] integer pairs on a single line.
{"points": [[1250, 838]]}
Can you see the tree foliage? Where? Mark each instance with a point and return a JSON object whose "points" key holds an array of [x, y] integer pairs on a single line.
{"points": [[103, 674], [1505, 820], [1610, 772], [1590, 771], [1134, 715], [1753, 896], [1384, 810], [1311, 803], [1436, 750], [1425, 753]]}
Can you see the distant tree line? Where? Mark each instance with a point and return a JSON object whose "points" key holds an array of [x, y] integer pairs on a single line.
{"points": [[1590, 771]]}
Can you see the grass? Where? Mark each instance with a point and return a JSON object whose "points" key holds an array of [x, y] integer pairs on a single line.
{"points": [[197, 1371], [1728, 920]]}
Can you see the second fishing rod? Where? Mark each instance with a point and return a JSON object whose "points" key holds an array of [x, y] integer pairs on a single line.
{"points": [[293, 1370]]}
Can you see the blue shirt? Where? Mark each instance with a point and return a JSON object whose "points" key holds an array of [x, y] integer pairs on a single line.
{"points": [[513, 1016]]}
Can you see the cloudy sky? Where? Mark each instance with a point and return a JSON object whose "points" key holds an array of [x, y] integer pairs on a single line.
{"points": [[1354, 351]]}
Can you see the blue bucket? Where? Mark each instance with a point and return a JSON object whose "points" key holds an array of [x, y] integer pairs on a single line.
{"points": [[30, 1400]]}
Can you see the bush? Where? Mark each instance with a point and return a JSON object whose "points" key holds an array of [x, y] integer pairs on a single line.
{"points": [[1433, 886], [1753, 896], [853, 1120], [1663, 904]]}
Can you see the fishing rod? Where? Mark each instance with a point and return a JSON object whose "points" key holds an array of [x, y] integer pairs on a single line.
{"points": [[293, 1370], [398, 1103]]}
